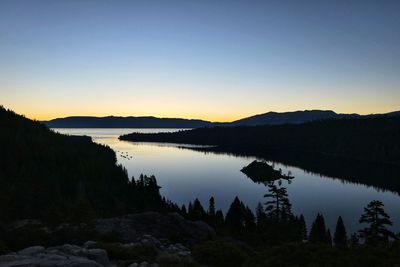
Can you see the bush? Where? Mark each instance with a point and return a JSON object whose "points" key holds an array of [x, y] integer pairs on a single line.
{"points": [[219, 254]]}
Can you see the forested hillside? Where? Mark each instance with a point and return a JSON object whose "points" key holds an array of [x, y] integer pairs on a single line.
{"points": [[48, 175], [367, 139]]}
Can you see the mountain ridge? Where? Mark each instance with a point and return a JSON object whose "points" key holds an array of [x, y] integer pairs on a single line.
{"points": [[268, 118]]}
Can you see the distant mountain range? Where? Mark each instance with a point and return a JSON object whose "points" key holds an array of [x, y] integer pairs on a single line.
{"points": [[269, 118]]}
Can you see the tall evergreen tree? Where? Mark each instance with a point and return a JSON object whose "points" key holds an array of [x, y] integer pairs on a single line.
{"points": [[211, 207], [318, 233], [183, 210], [303, 228], [377, 232], [249, 219], [260, 213], [234, 219], [198, 212], [190, 210], [219, 219], [279, 206], [340, 236]]}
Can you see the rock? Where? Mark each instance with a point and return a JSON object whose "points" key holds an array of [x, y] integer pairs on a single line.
{"points": [[172, 226], [61, 256], [31, 250], [98, 255], [90, 244], [184, 253], [143, 264], [133, 265]]}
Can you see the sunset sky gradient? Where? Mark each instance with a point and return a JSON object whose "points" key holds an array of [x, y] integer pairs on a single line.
{"points": [[214, 60]]}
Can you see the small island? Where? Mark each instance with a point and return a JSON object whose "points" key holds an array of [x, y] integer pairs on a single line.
{"points": [[261, 172]]}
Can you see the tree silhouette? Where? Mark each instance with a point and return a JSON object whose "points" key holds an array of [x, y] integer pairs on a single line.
{"points": [[318, 233], [340, 236], [211, 212], [303, 227], [279, 206], [198, 212], [260, 213], [376, 233], [211, 207], [239, 218], [219, 219], [234, 217], [183, 210]]}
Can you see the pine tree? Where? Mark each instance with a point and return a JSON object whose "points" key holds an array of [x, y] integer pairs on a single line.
{"points": [[303, 227], [279, 207], [260, 213], [183, 210], [234, 217], [211, 208], [219, 218], [340, 236], [211, 212], [318, 233], [249, 219], [376, 233], [198, 211], [190, 210]]}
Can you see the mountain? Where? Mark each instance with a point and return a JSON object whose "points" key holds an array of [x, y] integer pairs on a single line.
{"points": [[270, 118], [125, 122], [276, 118]]}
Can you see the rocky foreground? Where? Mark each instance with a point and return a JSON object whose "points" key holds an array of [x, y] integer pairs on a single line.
{"points": [[143, 240]]}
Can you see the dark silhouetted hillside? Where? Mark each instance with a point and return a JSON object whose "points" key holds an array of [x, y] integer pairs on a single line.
{"points": [[270, 118], [53, 176], [369, 139], [276, 118], [125, 122]]}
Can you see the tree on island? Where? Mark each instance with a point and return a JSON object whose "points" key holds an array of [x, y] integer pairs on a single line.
{"points": [[340, 236], [377, 232]]}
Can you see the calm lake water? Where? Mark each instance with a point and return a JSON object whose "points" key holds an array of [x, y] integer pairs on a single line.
{"points": [[185, 174]]}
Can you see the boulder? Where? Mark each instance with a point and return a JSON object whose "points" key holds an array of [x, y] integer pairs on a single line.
{"points": [[61, 256], [172, 226]]}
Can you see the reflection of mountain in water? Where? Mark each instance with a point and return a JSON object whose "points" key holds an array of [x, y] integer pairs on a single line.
{"points": [[381, 176], [364, 151], [384, 177]]}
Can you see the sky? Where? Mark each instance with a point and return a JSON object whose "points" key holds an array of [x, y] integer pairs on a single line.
{"points": [[214, 60]]}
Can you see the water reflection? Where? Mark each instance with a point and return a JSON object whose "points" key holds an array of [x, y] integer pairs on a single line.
{"points": [[186, 173]]}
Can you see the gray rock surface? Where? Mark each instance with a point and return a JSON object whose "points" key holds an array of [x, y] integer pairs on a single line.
{"points": [[170, 226], [61, 256]]}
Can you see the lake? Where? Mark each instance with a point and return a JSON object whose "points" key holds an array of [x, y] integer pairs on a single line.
{"points": [[185, 174]]}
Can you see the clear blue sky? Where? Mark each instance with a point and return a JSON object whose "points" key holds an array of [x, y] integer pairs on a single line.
{"points": [[217, 60]]}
